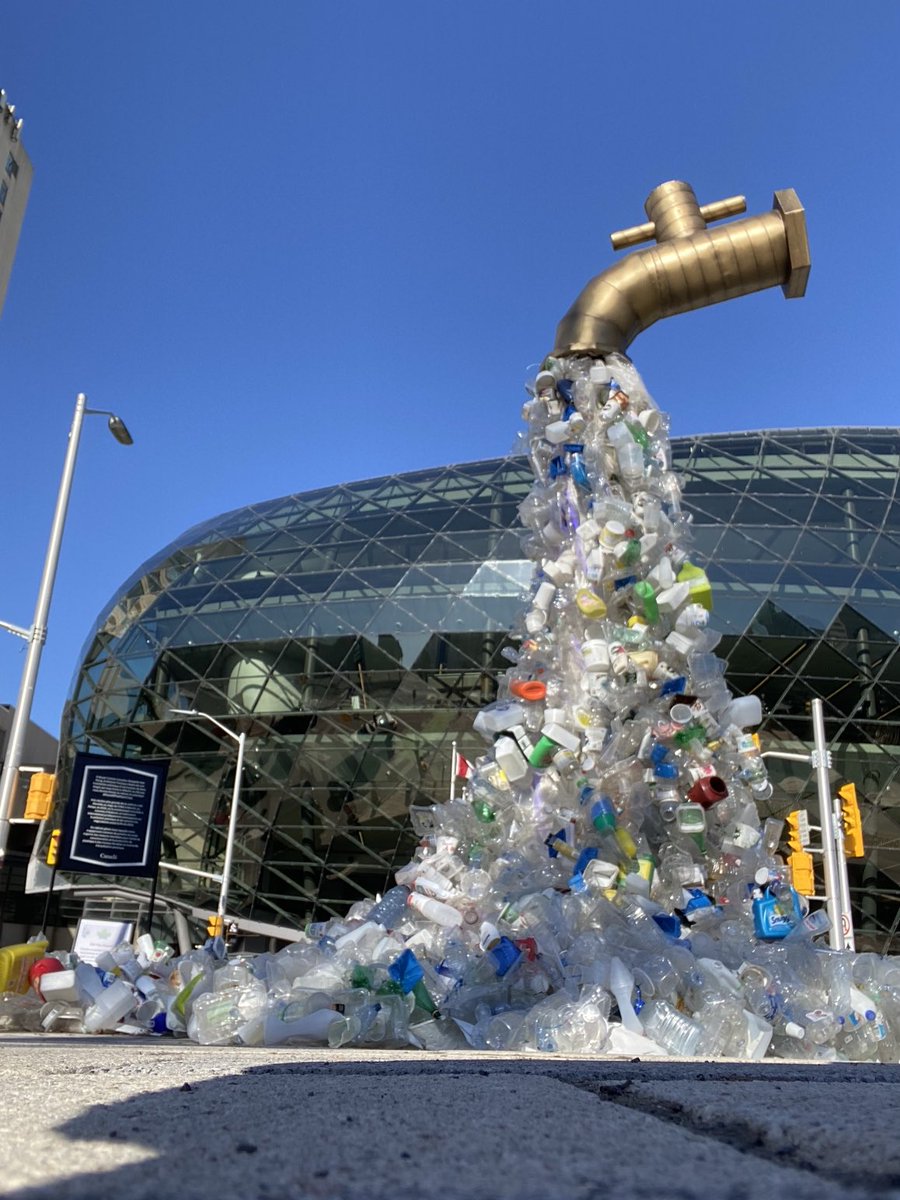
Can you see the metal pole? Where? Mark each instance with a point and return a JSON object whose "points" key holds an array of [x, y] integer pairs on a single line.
{"points": [[241, 739], [215, 876], [37, 635], [232, 826], [826, 821], [151, 905], [453, 773], [46, 916]]}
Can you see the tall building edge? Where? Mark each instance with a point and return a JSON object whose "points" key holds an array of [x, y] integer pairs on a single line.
{"points": [[16, 173]]}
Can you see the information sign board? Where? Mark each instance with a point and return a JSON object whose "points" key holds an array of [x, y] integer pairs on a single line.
{"points": [[113, 820]]}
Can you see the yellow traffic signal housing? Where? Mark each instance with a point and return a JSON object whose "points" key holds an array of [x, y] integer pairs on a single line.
{"points": [[40, 796], [803, 876], [852, 822], [53, 848], [798, 830]]}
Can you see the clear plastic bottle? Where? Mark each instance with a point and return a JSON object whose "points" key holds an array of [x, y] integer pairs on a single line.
{"points": [[391, 908], [854, 1041], [724, 1031], [219, 1015], [503, 1031], [753, 767], [669, 1028]]}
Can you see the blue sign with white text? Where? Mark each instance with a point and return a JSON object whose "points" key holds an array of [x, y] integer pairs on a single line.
{"points": [[114, 818]]}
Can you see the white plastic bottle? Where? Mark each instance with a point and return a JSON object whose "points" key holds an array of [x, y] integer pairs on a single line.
{"points": [[621, 984], [435, 910], [114, 1003]]}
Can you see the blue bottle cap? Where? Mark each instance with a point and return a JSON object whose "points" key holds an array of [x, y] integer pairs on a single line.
{"points": [[505, 954], [603, 815], [158, 1024], [669, 924], [584, 858], [673, 686]]}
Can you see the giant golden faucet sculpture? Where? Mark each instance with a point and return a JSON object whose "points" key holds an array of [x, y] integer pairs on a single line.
{"points": [[689, 267]]}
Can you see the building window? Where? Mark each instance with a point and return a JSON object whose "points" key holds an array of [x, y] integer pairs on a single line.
{"points": [[12, 167], [3, 191]]}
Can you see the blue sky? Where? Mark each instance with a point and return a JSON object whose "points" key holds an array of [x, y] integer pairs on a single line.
{"points": [[300, 243]]}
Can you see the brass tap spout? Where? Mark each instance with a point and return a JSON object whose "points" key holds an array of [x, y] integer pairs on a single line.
{"points": [[689, 267]]}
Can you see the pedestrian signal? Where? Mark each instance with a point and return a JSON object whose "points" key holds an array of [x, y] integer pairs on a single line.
{"points": [[798, 829]]}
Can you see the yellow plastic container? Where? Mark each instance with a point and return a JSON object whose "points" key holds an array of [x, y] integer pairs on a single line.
{"points": [[697, 581], [15, 963]]}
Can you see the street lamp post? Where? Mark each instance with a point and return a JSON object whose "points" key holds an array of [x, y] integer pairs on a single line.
{"points": [[36, 636], [241, 739]]}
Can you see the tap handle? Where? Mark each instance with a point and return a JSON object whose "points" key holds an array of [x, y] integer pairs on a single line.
{"points": [[623, 238], [723, 208], [636, 234]]}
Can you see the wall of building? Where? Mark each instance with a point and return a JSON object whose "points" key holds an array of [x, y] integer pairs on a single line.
{"points": [[16, 173]]}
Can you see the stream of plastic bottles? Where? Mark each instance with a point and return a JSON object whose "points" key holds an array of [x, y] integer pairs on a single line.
{"points": [[608, 881]]}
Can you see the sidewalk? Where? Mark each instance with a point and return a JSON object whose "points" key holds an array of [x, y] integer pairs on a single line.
{"points": [[97, 1117]]}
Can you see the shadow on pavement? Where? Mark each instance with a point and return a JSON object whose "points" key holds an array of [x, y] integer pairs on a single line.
{"points": [[355, 1131], [487, 1129]]}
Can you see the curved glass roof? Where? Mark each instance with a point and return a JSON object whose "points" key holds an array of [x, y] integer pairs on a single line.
{"points": [[320, 612], [380, 556]]}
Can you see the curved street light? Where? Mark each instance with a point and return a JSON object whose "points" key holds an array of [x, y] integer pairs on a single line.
{"points": [[241, 739], [36, 636]]}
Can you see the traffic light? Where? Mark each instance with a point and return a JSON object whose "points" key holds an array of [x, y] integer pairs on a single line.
{"points": [[215, 926], [53, 848], [852, 822], [40, 796], [798, 830], [802, 874]]}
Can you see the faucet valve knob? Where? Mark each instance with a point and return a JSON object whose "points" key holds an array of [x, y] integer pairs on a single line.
{"points": [[730, 207]]}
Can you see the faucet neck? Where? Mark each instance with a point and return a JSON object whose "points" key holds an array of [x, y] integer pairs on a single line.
{"points": [[674, 211], [689, 267]]}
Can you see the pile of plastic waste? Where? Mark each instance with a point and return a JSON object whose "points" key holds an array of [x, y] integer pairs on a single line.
{"points": [[605, 884]]}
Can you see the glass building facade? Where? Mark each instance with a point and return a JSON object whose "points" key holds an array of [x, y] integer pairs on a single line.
{"points": [[352, 632]]}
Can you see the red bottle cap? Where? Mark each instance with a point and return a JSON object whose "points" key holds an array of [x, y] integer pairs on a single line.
{"points": [[708, 791]]}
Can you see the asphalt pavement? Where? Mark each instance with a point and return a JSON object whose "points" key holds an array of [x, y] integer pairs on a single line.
{"points": [[138, 1119]]}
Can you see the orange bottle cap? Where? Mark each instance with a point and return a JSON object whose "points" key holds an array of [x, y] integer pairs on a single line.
{"points": [[528, 689]]}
